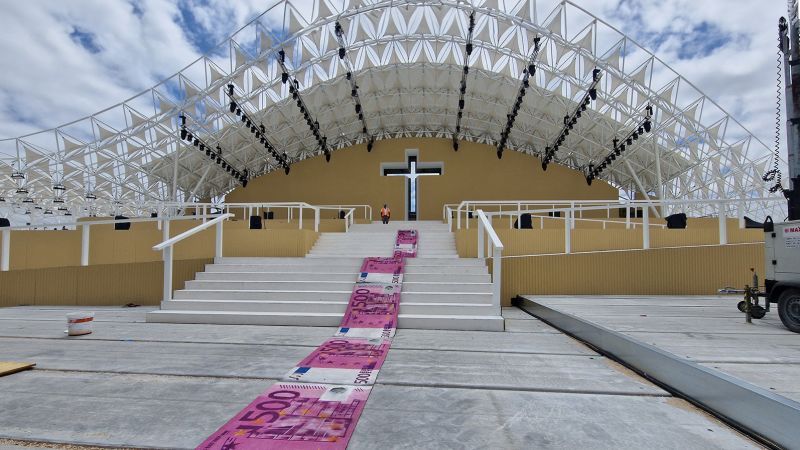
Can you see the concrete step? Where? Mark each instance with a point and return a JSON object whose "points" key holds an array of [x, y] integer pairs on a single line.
{"points": [[335, 276], [409, 321], [468, 309], [326, 296], [351, 270], [343, 260], [315, 285]]}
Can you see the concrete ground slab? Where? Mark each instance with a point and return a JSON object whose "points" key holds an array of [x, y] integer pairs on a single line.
{"points": [[145, 385]]}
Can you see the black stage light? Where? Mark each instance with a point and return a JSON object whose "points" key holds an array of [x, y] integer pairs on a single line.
{"points": [[455, 146], [532, 69], [196, 142], [284, 77], [233, 107], [327, 157], [641, 130], [499, 154], [300, 104], [219, 150], [230, 89], [629, 141], [353, 93], [358, 108], [244, 182], [201, 147], [238, 112], [364, 130], [596, 74], [544, 166], [183, 120], [189, 138], [244, 118], [342, 52], [635, 135], [593, 93], [286, 170], [526, 83], [589, 180], [369, 146], [461, 104], [469, 48], [282, 55], [183, 133], [349, 76], [648, 126], [466, 70]]}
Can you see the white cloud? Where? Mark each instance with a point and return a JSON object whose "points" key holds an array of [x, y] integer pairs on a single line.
{"points": [[47, 78]]}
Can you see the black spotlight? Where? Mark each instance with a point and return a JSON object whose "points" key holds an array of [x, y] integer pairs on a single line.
{"points": [[286, 170], [183, 134], [648, 126], [233, 107], [327, 157], [629, 141], [369, 146], [455, 146], [593, 93], [349, 76], [284, 77], [196, 142], [499, 154], [342, 52], [469, 48]]}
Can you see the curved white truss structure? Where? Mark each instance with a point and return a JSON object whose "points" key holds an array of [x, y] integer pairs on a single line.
{"points": [[406, 58]]}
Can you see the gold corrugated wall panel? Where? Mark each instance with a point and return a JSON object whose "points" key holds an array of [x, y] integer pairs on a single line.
{"points": [[99, 285], [668, 271], [42, 249]]}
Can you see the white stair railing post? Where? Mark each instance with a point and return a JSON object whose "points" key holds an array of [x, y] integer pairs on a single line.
{"points": [[205, 212], [481, 245], [316, 219], [497, 278], [567, 231], [165, 235], [301, 218], [723, 224], [627, 216], [168, 273], [646, 228], [5, 251], [218, 240], [85, 244]]}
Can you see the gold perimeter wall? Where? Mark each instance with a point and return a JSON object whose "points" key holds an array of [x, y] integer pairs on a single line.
{"points": [[353, 176], [45, 265]]}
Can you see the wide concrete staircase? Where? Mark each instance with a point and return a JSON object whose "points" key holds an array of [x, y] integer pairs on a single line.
{"points": [[440, 290]]}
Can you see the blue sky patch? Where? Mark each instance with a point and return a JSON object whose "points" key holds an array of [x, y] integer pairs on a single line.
{"points": [[86, 40]]}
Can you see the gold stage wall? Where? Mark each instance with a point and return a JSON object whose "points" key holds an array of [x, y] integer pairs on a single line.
{"points": [[353, 176]]}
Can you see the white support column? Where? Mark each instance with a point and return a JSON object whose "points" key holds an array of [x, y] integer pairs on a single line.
{"points": [[218, 240], [85, 245], [519, 215], [458, 217], [497, 278], [645, 228], [301, 217], [5, 251], [567, 231], [205, 213], [165, 235], [480, 239], [167, 273], [740, 214], [627, 216], [316, 219], [723, 224], [158, 222]]}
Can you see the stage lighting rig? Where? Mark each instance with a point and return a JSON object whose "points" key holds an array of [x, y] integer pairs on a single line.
{"points": [[620, 145], [294, 89], [351, 77], [213, 156], [464, 73], [571, 120], [259, 131], [523, 87]]}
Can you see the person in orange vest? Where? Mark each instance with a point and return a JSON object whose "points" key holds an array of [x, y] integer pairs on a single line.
{"points": [[385, 214]]}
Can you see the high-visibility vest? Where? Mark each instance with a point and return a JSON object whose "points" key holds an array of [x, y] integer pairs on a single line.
{"points": [[386, 212]]}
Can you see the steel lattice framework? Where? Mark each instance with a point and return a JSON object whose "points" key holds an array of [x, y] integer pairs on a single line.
{"points": [[407, 57]]}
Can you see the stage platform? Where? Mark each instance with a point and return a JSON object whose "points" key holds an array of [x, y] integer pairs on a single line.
{"points": [[750, 363], [153, 385]]}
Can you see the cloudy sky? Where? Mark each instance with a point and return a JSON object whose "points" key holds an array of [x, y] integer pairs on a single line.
{"points": [[61, 60]]}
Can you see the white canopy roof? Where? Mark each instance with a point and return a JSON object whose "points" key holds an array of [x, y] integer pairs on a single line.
{"points": [[406, 58]]}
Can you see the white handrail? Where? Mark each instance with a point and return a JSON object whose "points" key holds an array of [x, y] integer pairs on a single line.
{"points": [[485, 226], [348, 219], [167, 248]]}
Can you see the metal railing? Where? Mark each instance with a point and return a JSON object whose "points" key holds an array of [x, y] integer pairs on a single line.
{"points": [[367, 209], [162, 222], [573, 212], [495, 248], [167, 248]]}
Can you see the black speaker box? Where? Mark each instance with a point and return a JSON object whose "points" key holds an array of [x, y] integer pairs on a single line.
{"points": [[122, 226], [255, 223]]}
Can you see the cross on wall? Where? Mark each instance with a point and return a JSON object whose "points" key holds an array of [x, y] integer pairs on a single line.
{"points": [[412, 169]]}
